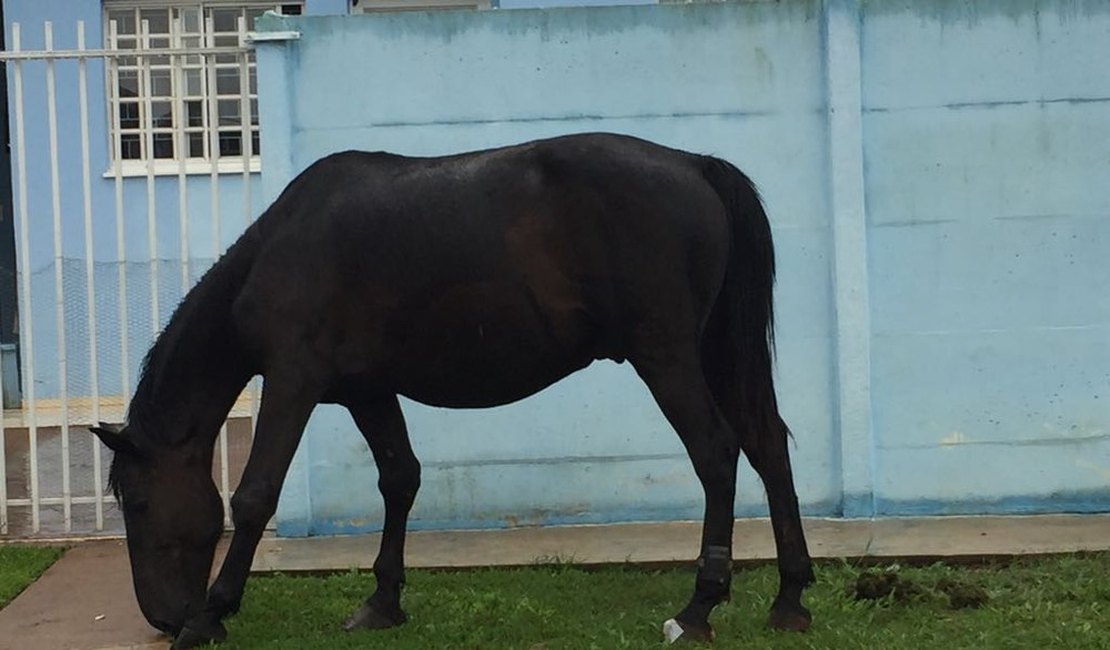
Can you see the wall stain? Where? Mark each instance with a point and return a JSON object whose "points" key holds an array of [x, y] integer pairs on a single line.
{"points": [[969, 13]]}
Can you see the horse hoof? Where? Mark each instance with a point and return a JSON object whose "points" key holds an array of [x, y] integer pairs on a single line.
{"points": [[677, 631], [192, 638], [792, 620], [369, 618]]}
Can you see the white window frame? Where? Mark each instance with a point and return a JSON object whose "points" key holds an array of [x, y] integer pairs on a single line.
{"points": [[374, 6], [191, 79]]}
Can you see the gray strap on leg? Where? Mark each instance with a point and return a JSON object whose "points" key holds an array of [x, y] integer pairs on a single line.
{"points": [[715, 564]]}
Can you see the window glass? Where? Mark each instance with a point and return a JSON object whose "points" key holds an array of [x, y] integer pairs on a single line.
{"points": [[125, 21], [157, 20]]}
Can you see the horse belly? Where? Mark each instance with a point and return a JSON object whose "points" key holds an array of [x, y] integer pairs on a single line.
{"points": [[486, 344]]}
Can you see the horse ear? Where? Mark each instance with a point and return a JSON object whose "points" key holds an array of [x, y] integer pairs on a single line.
{"points": [[114, 440]]}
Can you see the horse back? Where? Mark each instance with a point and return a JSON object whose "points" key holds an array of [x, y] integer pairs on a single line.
{"points": [[479, 279]]}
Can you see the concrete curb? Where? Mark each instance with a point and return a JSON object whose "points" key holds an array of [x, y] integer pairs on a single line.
{"points": [[921, 537]]}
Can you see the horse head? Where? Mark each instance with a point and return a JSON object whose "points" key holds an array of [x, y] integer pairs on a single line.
{"points": [[174, 518]]}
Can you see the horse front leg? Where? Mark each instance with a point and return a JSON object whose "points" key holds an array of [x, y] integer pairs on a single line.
{"points": [[287, 403], [383, 425]]}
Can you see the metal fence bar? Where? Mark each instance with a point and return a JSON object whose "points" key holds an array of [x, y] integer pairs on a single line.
{"points": [[90, 284], [181, 149], [121, 249], [25, 319], [246, 134], [59, 260], [147, 92], [57, 501], [245, 122], [217, 236], [41, 55]]}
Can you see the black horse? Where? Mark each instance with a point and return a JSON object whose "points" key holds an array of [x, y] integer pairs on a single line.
{"points": [[464, 281]]}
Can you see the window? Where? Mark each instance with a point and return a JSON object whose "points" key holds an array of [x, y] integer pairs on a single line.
{"points": [[167, 105]]}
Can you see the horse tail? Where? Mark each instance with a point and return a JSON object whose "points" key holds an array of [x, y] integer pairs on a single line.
{"points": [[746, 302]]}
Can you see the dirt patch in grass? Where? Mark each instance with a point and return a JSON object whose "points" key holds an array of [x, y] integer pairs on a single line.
{"points": [[962, 595], [880, 585], [891, 586]]}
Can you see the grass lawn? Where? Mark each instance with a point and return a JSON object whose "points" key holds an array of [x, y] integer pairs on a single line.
{"points": [[20, 566], [1059, 602]]}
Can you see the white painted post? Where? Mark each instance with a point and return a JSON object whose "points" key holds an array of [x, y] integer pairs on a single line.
{"points": [[181, 148], [25, 319], [147, 93], [217, 235], [852, 306], [90, 269], [245, 120], [59, 290], [247, 152], [121, 249], [274, 81]]}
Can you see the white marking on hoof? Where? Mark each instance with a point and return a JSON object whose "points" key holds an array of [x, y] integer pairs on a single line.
{"points": [[671, 630]]}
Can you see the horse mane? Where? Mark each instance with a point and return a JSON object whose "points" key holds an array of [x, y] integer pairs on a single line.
{"points": [[199, 319], [113, 480]]}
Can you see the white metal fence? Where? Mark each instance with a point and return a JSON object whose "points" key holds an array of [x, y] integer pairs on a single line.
{"points": [[91, 300]]}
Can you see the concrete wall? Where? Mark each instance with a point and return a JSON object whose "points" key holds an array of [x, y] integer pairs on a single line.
{"points": [[935, 174], [987, 150]]}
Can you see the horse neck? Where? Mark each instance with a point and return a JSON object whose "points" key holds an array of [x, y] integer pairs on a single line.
{"points": [[198, 366], [192, 378], [190, 396]]}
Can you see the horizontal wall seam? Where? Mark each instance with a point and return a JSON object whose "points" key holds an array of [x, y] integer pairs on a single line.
{"points": [[559, 460], [991, 330], [562, 118], [988, 104]]}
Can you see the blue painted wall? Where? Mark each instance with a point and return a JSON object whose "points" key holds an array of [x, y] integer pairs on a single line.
{"points": [[935, 174], [987, 148]]}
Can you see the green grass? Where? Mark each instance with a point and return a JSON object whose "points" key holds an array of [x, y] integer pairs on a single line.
{"points": [[1059, 602], [20, 566]]}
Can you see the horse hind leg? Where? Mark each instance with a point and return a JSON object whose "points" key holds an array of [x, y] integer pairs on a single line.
{"points": [[748, 402], [674, 376], [769, 456], [382, 423]]}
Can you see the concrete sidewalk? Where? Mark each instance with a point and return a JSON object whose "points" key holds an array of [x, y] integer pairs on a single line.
{"points": [[85, 601]]}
